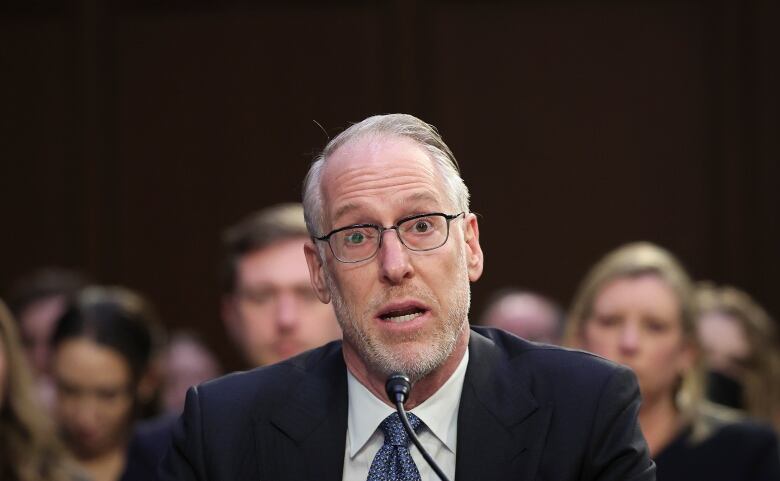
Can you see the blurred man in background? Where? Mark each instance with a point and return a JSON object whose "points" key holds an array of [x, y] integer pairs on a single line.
{"points": [[188, 361], [526, 314], [268, 305]]}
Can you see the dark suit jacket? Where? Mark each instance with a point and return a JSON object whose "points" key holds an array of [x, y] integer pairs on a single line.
{"points": [[527, 412], [148, 444]]}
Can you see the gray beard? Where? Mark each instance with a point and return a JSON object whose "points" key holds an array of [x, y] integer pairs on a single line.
{"points": [[381, 357]]}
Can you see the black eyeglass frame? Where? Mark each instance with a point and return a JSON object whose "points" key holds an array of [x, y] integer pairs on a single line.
{"points": [[383, 229]]}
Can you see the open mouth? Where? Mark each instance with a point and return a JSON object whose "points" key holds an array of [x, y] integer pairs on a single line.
{"points": [[405, 314]]}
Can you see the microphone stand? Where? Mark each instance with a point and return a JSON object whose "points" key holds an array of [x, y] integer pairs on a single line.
{"points": [[398, 387]]}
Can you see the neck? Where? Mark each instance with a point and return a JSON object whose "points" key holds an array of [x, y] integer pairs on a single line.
{"points": [[660, 422], [107, 466], [422, 389]]}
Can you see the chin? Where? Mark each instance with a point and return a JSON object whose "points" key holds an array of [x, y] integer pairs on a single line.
{"points": [[414, 359]]}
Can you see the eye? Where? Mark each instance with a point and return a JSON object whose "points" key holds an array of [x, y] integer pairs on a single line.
{"points": [[656, 325], [258, 295], [108, 394], [354, 238], [607, 321], [422, 226]]}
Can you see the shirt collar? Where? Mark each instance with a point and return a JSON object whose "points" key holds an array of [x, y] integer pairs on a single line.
{"points": [[439, 412]]}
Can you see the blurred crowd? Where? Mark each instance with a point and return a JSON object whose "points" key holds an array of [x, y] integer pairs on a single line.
{"points": [[91, 383]]}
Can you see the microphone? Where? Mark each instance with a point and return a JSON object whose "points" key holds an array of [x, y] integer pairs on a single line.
{"points": [[398, 387]]}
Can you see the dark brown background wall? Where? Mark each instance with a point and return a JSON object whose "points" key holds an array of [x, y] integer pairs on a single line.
{"points": [[133, 132]]}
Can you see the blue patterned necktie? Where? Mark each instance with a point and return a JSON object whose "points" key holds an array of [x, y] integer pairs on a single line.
{"points": [[393, 461]]}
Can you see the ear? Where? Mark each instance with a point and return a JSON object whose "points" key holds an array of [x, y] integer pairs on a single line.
{"points": [[474, 256], [151, 380], [316, 271], [231, 317]]}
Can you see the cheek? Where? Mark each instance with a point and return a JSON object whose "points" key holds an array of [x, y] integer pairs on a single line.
{"points": [[256, 324], [599, 341], [115, 418], [120, 413], [670, 356], [318, 317]]}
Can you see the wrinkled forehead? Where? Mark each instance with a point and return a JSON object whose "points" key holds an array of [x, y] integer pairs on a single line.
{"points": [[376, 171]]}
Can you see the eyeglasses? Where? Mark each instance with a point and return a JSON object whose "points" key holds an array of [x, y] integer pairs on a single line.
{"points": [[360, 242]]}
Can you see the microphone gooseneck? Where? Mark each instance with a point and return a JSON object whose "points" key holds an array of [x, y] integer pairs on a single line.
{"points": [[398, 387]]}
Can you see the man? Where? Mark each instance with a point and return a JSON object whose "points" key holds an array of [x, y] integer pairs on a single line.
{"points": [[269, 308], [394, 248], [526, 314], [268, 305]]}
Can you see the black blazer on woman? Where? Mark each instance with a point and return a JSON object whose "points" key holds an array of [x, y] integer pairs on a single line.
{"points": [[735, 451]]}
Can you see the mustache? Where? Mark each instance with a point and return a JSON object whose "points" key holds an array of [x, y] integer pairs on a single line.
{"points": [[396, 292]]}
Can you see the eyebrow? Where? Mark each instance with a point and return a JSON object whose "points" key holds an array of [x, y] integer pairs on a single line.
{"points": [[344, 209], [416, 197]]}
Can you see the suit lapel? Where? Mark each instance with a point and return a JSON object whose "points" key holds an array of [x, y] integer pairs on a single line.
{"points": [[501, 427], [313, 423]]}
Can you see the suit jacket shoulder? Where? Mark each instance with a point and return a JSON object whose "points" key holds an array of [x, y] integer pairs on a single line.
{"points": [[259, 424], [547, 412]]}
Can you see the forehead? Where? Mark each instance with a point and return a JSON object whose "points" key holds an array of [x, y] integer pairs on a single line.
{"points": [[372, 174], [281, 263], [646, 293], [80, 361], [722, 332]]}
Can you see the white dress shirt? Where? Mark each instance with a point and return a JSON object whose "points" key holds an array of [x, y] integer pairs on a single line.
{"points": [[439, 436]]}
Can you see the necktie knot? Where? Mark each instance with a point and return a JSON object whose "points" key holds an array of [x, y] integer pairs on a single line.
{"points": [[393, 461], [394, 431]]}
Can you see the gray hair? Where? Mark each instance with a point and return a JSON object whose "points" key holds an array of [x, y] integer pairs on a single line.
{"points": [[399, 125]]}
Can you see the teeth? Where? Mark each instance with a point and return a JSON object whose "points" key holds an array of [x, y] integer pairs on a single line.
{"points": [[404, 318]]}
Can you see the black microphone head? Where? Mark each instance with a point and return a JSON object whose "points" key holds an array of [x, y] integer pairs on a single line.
{"points": [[398, 387]]}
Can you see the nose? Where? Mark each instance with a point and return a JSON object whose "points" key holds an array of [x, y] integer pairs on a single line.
{"points": [[287, 310], [394, 262], [85, 414], [629, 338]]}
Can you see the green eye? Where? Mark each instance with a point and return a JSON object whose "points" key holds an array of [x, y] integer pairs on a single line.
{"points": [[355, 238]]}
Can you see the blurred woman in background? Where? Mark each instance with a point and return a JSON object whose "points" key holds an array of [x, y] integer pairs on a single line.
{"points": [[29, 450], [636, 308], [102, 347], [740, 346]]}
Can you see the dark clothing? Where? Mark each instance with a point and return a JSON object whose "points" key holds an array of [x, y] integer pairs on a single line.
{"points": [[740, 451], [527, 411], [147, 447]]}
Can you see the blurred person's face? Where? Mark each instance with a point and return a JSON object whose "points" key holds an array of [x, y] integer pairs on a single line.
{"points": [[36, 326], [274, 313], [400, 310], [724, 344], [636, 322], [94, 397], [525, 316], [187, 364]]}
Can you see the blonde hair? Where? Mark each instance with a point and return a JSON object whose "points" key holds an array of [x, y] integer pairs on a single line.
{"points": [[29, 450], [636, 260], [761, 395]]}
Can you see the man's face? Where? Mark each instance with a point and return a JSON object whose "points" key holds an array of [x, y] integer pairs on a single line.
{"points": [[274, 313], [400, 310], [527, 316]]}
